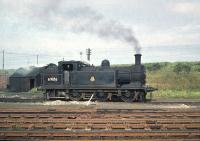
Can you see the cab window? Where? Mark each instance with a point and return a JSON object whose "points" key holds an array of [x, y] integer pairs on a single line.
{"points": [[67, 67]]}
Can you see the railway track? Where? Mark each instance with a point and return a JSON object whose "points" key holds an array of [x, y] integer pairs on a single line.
{"points": [[99, 124], [161, 135]]}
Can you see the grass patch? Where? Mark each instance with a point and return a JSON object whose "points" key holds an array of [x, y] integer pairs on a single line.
{"points": [[170, 80], [35, 91], [170, 93], [173, 85]]}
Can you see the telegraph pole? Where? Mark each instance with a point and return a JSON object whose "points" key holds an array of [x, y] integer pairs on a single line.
{"points": [[88, 53], [81, 54], [3, 60], [37, 58]]}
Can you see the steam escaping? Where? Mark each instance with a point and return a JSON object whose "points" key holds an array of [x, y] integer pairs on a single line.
{"points": [[25, 71], [87, 20], [84, 19]]}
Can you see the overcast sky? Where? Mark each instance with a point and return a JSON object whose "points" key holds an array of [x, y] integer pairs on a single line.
{"points": [[162, 30]]}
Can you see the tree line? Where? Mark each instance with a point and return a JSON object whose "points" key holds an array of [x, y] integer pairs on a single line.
{"points": [[177, 67]]}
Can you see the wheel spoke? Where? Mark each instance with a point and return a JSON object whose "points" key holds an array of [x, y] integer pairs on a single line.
{"points": [[101, 96], [75, 96], [127, 96], [142, 97], [115, 98]]}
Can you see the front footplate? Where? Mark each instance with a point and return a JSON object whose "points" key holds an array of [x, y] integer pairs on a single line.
{"points": [[150, 89]]}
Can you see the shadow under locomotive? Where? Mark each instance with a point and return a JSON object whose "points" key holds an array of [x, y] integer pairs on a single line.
{"points": [[76, 80]]}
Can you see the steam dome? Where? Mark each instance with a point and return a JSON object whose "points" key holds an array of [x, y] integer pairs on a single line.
{"points": [[105, 63]]}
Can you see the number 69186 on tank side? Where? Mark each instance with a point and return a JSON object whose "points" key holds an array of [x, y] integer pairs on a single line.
{"points": [[76, 80]]}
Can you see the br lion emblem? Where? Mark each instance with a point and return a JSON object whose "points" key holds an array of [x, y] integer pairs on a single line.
{"points": [[92, 78]]}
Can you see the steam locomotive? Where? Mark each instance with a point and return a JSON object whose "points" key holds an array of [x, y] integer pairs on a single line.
{"points": [[76, 80]]}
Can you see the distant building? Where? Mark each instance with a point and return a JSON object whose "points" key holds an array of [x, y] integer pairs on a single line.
{"points": [[3, 80], [23, 80]]}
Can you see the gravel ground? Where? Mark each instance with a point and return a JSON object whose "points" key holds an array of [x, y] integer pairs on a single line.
{"points": [[22, 95], [100, 105]]}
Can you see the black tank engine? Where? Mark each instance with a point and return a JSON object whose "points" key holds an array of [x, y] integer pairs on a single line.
{"points": [[76, 80]]}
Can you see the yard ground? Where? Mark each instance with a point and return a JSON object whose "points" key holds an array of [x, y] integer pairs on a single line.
{"points": [[158, 104]]}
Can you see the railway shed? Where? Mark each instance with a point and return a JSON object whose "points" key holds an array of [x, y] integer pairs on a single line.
{"points": [[23, 80]]}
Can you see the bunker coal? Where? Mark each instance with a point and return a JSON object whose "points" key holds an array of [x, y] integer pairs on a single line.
{"points": [[76, 80]]}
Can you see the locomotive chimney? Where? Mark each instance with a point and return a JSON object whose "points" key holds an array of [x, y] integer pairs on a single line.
{"points": [[138, 59]]}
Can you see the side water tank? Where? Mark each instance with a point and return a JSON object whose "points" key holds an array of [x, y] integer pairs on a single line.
{"points": [[123, 76]]}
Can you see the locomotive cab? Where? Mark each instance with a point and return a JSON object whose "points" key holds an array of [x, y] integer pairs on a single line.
{"points": [[71, 66]]}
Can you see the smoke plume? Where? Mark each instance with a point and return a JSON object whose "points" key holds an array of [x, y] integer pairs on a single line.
{"points": [[85, 19]]}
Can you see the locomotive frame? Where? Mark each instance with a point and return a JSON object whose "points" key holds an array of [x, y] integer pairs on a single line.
{"points": [[76, 80]]}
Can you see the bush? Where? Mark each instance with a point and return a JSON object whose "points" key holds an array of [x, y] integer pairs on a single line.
{"points": [[153, 66], [182, 68], [196, 67]]}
